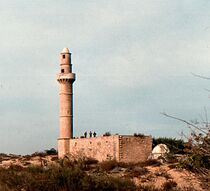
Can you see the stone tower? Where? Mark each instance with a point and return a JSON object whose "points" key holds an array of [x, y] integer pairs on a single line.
{"points": [[66, 79]]}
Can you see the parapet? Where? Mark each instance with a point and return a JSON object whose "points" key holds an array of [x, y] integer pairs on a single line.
{"points": [[66, 77]]}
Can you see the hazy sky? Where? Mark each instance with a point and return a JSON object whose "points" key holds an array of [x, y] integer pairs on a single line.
{"points": [[133, 59]]}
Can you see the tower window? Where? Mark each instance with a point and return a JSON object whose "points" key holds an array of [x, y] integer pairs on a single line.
{"points": [[62, 70], [63, 55]]}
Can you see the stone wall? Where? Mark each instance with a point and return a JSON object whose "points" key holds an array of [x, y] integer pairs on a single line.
{"points": [[101, 148], [134, 149], [121, 148]]}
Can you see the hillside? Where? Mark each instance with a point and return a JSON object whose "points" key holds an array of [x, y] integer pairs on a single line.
{"points": [[46, 172]]}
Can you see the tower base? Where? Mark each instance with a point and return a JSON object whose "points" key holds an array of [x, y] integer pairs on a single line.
{"points": [[63, 147]]}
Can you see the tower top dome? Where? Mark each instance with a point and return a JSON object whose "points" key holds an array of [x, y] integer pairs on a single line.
{"points": [[65, 50]]}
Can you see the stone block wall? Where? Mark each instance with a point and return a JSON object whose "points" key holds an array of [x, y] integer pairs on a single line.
{"points": [[101, 148], [134, 149], [119, 147]]}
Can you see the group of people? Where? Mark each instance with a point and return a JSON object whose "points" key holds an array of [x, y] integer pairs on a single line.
{"points": [[90, 134]]}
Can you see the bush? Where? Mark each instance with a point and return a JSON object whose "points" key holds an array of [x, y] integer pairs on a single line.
{"points": [[108, 165], [172, 158], [51, 151], [89, 161], [137, 172], [60, 178], [39, 154], [138, 135], [197, 147], [104, 182], [176, 146], [195, 162], [107, 134]]}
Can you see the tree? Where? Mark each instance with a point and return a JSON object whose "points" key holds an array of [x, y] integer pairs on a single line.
{"points": [[197, 147], [176, 146]]}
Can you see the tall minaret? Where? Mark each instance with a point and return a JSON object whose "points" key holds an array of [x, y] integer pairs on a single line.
{"points": [[66, 79]]}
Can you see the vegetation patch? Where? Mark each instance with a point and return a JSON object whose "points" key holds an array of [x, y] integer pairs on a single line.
{"points": [[57, 178]]}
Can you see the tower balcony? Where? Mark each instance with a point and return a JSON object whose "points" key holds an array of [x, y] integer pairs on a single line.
{"points": [[70, 77]]}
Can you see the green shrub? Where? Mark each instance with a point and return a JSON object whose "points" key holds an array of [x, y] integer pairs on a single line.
{"points": [[195, 161], [51, 151], [176, 146]]}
